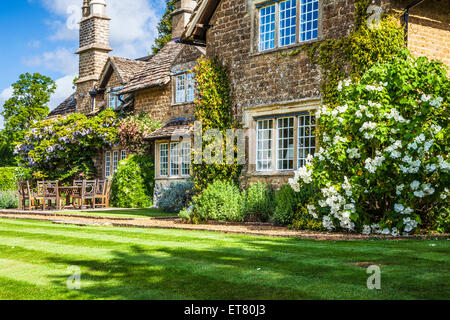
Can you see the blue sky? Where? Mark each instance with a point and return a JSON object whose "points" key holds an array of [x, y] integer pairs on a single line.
{"points": [[42, 36]]}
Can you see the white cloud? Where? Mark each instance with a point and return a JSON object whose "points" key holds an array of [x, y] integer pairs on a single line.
{"points": [[133, 23], [4, 95], [64, 88], [61, 60], [63, 91]]}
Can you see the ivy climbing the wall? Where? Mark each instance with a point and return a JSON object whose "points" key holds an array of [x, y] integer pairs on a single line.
{"points": [[213, 109]]}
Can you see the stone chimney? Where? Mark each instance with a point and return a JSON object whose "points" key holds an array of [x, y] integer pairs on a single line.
{"points": [[181, 16], [93, 51]]}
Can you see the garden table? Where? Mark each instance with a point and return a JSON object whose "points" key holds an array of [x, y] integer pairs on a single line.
{"points": [[69, 192]]}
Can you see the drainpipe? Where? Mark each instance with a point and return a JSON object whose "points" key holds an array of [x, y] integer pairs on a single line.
{"points": [[406, 17]]}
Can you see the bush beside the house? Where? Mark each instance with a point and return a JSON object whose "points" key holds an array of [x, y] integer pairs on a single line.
{"points": [[383, 165], [133, 183], [176, 197], [285, 206], [9, 176], [259, 204], [9, 200], [220, 201]]}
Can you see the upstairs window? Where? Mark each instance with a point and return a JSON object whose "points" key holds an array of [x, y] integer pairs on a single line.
{"points": [[280, 27], [184, 88], [114, 100]]}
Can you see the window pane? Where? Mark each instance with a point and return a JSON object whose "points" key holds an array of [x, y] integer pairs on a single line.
{"points": [[115, 160], [288, 21], [185, 159], [306, 138], [123, 155], [163, 159], [309, 24], [108, 164], [267, 28], [112, 100], [264, 145], [181, 89], [174, 160], [190, 87], [285, 129]]}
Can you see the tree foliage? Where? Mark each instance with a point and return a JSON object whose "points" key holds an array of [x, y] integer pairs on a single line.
{"points": [[28, 104], [64, 148], [165, 27]]}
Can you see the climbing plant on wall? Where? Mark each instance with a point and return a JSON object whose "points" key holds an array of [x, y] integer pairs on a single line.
{"points": [[213, 108]]}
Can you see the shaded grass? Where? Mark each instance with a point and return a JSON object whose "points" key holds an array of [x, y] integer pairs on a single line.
{"points": [[127, 263], [123, 213]]}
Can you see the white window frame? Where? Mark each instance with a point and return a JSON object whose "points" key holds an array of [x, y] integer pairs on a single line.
{"points": [[164, 170], [107, 164], [174, 159], [306, 138], [113, 98], [299, 137], [115, 161], [280, 139], [190, 87], [180, 88], [307, 23], [123, 155], [263, 155]]}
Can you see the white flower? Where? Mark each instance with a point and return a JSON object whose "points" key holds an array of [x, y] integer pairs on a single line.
{"points": [[337, 139], [419, 194], [436, 128], [386, 231], [399, 207], [395, 232], [399, 189], [368, 126], [443, 165], [327, 223], [366, 230], [415, 185], [431, 167], [410, 224], [372, 165], [353, 153], [425, 98], [312, 211]]}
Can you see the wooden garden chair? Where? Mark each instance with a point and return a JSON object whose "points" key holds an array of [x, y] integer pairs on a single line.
{"points": [[77, 195], [51, 193], [100, 193], [88, 190], [25, 194], [39, 195]]}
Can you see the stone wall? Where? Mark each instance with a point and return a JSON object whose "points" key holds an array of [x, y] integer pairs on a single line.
{"points": [[429, 28], [157, 102]]}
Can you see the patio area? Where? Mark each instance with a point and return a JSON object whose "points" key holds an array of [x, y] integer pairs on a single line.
{"points": [[80, 195]]}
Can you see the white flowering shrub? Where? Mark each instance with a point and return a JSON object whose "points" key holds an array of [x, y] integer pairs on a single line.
{"points": [[382, 165]]}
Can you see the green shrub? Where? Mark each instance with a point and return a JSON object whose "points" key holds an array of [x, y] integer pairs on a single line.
{"points": [[259, 202], [221, 201], [285, 206], [176, 197], [442, 221], [9, 176], [133, 183], [9, 200]]}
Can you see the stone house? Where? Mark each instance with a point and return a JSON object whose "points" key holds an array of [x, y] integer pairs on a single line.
{"points": [[275, 93], [161, 86]]}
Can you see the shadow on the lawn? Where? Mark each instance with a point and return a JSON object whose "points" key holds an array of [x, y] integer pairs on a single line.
{"points": [[236, 273]]}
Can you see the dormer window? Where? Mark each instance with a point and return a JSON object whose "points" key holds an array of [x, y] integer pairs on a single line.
{"points": [[114, 100], [287, 22], [184, 88]]}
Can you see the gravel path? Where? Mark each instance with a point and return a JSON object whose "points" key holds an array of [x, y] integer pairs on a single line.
{"points": [[257, 229]]}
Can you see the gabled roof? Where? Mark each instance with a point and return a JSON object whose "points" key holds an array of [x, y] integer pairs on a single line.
{"points": [[156, 72], [195, 31], [124, 68], [176, 127], [68, 106]]}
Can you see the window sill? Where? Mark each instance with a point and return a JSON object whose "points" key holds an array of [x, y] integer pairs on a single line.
{"points": [[285, 48], [271, 173], [172, 177], [180, 104]]}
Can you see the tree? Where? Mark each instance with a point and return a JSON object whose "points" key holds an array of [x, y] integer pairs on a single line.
{"points": [[165, 27], [28, 104]]}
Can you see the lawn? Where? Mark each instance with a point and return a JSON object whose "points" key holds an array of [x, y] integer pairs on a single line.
{"points": [[123, 213], [126, 263]]}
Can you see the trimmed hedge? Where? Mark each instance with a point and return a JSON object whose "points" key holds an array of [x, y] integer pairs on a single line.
{"points": [[9, 176]]}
